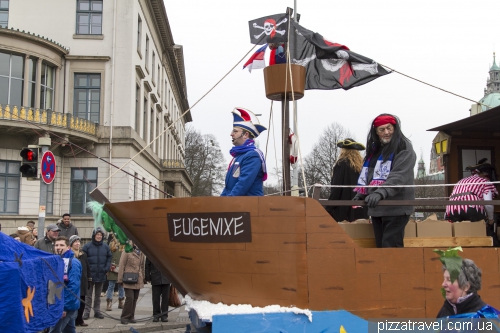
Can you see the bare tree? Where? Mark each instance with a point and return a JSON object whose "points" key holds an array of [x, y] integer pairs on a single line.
{"points": [[319, 163], [205, 163], [429, 192]]}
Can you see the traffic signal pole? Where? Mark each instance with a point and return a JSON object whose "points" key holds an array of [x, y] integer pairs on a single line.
{"points": [[44, 143]]}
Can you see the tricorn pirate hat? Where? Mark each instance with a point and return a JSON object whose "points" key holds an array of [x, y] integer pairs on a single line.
{"points": [[483, 167], [246, 120], [350, 144]]}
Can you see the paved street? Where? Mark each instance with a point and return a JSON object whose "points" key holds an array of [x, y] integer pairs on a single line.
{"points": [[177, 319]]}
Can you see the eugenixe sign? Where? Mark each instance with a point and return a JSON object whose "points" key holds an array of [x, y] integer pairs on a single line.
{"points": [[231, 227], [48, 167]]}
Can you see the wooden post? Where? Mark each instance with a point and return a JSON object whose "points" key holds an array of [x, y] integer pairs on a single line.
{"points": [[285, 116]]}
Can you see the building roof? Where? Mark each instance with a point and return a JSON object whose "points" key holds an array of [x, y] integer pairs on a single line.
{"points": [[492, 100], [494, 67], [484, 122]]}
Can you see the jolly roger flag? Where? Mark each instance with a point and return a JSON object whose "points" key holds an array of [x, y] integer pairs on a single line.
{"points": [[269, 29], [330, 65]]}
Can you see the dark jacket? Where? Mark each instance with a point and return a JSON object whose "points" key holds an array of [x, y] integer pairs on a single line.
{"points": [[85, 273], [67, 231], [154, 276], [473, 303], [344, 174], [115, 260], [99, 257], [45, 244], [401, 174]]}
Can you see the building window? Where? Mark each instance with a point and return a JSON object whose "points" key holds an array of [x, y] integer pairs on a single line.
{"points": [[32, 83], [153, 68], [87, 96], [143, 188], [11, 79], [49, 208], [152, 128], [47, 87], [137, 108], [147, 52], [145, 120], [10, 181], [139, 33], [83, 181], [89, 17], [150, 191], [4, 13]]}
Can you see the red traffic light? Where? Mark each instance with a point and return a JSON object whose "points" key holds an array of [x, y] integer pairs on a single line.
{"points": [[29, 154]]}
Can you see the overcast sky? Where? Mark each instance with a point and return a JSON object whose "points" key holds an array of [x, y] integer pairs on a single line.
{"points": [[449, 44]]}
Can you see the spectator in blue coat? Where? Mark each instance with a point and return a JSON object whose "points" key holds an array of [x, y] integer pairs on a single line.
{"points": [[99, 258], [247, 171], [72, 276]]}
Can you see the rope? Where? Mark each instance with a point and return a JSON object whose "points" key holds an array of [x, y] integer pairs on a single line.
{"points": [[387, 186], [179, 118], [447, 91]]}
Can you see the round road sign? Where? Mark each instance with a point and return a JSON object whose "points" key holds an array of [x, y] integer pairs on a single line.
{"points": [[48, 167]]}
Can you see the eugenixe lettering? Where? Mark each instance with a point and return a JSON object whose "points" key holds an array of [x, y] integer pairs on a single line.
{"points": [[209, 227]]}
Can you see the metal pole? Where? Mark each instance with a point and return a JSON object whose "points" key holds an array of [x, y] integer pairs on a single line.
{"points": [[285, 116], [45, 143], [295, 171]]}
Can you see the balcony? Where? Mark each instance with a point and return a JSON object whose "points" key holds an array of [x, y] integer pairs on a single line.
{"points": [[67, 123]]}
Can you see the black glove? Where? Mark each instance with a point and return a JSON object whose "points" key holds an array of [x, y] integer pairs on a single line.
{"points": [[373, 199]]}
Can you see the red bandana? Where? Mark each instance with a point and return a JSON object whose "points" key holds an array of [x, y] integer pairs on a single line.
{"points": [[382, 120]]}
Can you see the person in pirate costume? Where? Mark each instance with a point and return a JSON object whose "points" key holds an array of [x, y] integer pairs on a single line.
{"points": [[247, 170], [390, 160], [478, 186], [346, 172]]}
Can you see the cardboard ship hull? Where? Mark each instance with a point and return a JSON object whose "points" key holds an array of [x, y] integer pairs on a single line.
{"points": [[297, 255]]}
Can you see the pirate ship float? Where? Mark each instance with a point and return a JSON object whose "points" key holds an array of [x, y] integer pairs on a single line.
{"points": [[287, 250]]}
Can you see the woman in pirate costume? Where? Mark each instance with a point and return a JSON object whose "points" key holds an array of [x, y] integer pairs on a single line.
{"points": [[478, 186], [247, 170], [389, 160], [346, 172]]}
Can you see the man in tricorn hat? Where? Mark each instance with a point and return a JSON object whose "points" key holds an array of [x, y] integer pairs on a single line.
{"points": [[247, 170], [389, 160], [477, 187]]}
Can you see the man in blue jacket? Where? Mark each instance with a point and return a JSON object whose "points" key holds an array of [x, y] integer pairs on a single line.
{"points": [[99, 258], [72, 276], [247, 170]]}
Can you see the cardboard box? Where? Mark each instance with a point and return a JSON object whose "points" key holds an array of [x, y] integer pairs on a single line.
{"points": [[469, 229], [434, 228], [411, 229], [358, 229]]}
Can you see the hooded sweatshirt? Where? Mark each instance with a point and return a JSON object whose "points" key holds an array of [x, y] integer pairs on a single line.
{"points": [[98, 256], [74, 273]]}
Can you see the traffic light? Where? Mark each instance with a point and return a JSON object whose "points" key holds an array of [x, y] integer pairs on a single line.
{"points": [[29, 167]]}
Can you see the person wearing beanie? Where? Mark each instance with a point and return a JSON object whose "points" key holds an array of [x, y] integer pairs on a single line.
{"points": [[389, 160], [74, 244], [346, 172], [99, 257], [247, 170]]}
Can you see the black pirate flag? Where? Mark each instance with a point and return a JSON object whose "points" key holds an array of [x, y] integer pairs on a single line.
{"points": [[330, 65], [269, 29]]}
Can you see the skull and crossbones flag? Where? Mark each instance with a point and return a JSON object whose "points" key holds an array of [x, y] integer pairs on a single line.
{"points": [[330, 65], [269, 29]]}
